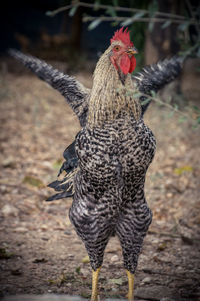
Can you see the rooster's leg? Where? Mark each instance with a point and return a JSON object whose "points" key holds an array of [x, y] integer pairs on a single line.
{"points": [[95, 277], [130, 286]]}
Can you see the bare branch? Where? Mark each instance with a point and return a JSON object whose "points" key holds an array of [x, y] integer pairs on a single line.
{"points": [[59, 10], [197, 26], [120, 19], [116, 8]]}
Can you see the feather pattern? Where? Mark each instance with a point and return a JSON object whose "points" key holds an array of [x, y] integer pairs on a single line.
{"points": [[73, 91], [114, 150], [156, 76], [151, 78]]}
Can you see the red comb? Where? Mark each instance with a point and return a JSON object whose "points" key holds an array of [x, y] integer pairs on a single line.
{"points": [[122, 36]]}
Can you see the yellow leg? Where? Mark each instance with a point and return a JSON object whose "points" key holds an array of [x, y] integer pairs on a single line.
{"points": [[130, 286], [95, 277]]}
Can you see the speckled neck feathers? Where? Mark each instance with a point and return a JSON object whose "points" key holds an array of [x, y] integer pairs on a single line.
{"points": [[112, 93]]}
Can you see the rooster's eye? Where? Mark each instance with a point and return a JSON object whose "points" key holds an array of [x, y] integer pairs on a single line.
{"points": [[117, 48]]}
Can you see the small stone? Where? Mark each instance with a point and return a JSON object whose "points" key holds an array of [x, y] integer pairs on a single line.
{"points": [[3, 189], [44, 227], [187, 239], [9, 163], [85, 259], [21, 229], [70, 255], [9, 210], [179, 269], [147, 280], [67, 232], [84, 272], [153, 293], [16, 272], [188, 282], [114, 258]]}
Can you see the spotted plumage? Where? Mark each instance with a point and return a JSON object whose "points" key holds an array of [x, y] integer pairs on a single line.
{"points": [[109, 187], [108, 161]]}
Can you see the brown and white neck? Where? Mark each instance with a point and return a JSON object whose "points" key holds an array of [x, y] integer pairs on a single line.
{"points": [[112, 93]]}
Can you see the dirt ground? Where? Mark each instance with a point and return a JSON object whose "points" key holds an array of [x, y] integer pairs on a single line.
{"points": [[39, 249]]}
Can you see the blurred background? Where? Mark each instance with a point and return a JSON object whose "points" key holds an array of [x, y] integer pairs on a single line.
{"points": [[39, 249], [158, 28], [76, 33]]}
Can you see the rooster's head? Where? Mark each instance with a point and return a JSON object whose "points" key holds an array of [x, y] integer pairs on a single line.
{"points": [[122, 51]]}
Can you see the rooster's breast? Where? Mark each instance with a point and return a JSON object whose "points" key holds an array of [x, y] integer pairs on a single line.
{"points": [[100, 151]]}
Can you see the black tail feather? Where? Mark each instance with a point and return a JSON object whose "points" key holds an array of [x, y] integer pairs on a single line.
{"points": [[62, 195]]}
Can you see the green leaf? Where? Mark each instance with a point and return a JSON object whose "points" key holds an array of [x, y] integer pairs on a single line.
{"points": [[162, 246], [198, 52], [78, 269], [184, 26], [138, 15], [137, 94], [116, 23], [146, 101], [171, 114], [33, 181], [197, 109], [175, 107], [111, 11], [85, 259], [96, 4], [115, 2], [166, 24], [198, 120], [94, 24], [182, 119], [153, 93], [118, 281], [57, 164], [179, 171], [49, 13], [4, 254], [133, 18], [73, 11], [151, 26], [127, 22], [153, 8]]}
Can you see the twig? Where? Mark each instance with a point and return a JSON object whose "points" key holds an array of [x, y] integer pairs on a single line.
{"points": [[116, 8], [193, 16], [155, 20], [164, 234], [59, 10], [150, 271], [167, 105], [22, 188]]}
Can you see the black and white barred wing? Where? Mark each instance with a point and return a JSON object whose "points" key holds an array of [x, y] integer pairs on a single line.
{"points": [[151, 78], [156, 76], [74, 92]]}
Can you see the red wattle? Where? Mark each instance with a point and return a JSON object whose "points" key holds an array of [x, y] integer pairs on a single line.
{"points": [[133, 64], [125, 63]]}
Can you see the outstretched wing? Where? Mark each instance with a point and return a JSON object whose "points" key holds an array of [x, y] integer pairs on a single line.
{"points": [[74, 92], [156, 76], [151, 78]]}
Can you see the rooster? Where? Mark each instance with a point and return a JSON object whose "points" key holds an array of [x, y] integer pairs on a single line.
{"points": [[111, 153]]}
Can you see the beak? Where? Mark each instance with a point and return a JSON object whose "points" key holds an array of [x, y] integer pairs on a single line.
{"points": [[132, 51]]}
